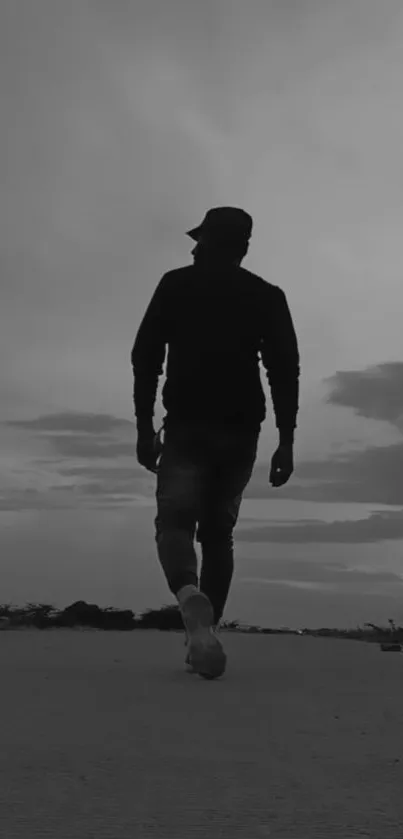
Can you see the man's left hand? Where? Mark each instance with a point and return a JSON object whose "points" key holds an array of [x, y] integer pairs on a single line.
{"points": [[147, 455]]}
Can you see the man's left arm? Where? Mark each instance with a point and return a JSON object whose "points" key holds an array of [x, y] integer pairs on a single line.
{"points": [[147, 357], [280, 356]]}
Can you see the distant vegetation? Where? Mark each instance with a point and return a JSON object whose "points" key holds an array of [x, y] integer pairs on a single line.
{"points": [[166, 619]]}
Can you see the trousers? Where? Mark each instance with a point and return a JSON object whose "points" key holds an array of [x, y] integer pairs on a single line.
{"points": [[202, 472]]}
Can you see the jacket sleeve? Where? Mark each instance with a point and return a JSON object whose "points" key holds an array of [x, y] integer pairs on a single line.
{"points": [[148, 354], [280, 357]]}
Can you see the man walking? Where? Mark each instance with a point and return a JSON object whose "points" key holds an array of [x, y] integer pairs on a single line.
{"points": [[216, 319]]}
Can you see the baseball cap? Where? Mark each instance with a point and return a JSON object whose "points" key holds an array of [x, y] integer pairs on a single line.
{"points": [[224, 223]]}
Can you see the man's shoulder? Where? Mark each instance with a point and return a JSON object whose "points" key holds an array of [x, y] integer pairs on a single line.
{"points": [[170, 278], [178, 272], [257, 281], [250, 278]]}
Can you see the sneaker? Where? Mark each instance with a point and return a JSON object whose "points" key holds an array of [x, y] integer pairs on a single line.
{"points": [[205, 654], [188, 664]]}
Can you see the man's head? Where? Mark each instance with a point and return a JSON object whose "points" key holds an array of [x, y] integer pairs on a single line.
{"points": [[232, 252], [223, 235]]}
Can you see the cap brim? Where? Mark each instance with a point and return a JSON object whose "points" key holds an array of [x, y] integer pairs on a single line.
{"points": [[194, 234]]}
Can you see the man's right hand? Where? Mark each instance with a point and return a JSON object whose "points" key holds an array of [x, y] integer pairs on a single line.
{"points": [[282, 465], [145, 449]]}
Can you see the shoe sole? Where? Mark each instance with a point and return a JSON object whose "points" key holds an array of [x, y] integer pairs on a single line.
{"points": [[206, 653]]}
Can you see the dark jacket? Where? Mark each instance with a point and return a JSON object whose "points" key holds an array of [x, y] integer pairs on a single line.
{"points": [[216, 323]]}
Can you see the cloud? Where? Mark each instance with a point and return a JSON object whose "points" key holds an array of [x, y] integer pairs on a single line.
{"points": [[82, 435], [72, 421], [92, 440], [342, 578], [376, 392], [391, 583], [376, 528], [373, 475]]}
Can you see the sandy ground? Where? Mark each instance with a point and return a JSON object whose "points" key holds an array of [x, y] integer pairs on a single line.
{"points": [[103, 734]]}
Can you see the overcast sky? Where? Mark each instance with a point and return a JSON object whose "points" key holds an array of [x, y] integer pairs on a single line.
{"points": [[122, 123]]}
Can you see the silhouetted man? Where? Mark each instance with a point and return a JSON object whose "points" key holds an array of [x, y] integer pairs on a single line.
{"points": [[216, 318]]}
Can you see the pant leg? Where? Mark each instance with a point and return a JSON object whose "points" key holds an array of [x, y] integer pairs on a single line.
{"points": [[235, 455], [180, 478]]}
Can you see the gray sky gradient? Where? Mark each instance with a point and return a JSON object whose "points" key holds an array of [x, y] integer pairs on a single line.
{"points": [[122, 124]]}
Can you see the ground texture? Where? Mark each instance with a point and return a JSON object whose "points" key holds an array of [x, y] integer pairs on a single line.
{"points": [[104, 736]]}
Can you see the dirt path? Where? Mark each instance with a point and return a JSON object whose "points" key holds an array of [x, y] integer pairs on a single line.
{"points": [[104, 736]]}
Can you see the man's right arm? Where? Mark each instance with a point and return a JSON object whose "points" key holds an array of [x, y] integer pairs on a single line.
{"points": [[148, 355], [280, 357]]}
